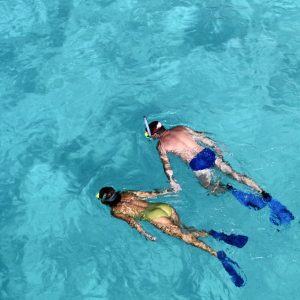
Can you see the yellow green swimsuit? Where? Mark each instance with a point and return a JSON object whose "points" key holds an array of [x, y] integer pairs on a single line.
{"points": [[155, 211]]}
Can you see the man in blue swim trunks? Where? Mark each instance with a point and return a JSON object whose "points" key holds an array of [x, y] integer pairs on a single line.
{"points": [[183, 142]]}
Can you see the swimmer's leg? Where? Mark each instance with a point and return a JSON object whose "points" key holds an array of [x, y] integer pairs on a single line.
{"points": [[167, 226], [236, 240], [194, 231], [175, 218], [188, 229], [205, 179], [200, 233], [232, 239], [227, 169]]}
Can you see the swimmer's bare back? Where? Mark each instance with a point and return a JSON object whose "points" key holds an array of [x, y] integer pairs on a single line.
{"points": [[181, 142]]}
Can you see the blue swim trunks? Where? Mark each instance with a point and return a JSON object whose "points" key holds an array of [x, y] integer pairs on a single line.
{"points": [[203, 160]]}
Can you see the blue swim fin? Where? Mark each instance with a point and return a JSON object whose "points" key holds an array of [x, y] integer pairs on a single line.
{"points": [[231, 239], [229, 266], [280, 215], [247, 199]]}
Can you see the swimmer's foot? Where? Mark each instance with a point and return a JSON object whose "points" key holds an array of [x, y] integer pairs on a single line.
{"points": [[266, 196], [229, 187]]}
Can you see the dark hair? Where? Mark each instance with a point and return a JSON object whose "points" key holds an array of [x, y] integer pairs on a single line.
{"points": [[153, 129], [107, 190], [108, 196]]}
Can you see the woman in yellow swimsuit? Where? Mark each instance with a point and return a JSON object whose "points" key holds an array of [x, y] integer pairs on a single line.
{"points": [[131, 207]]}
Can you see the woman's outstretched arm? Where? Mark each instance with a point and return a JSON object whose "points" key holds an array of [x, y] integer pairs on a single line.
{"points": [[134, 224], [153, 194]]}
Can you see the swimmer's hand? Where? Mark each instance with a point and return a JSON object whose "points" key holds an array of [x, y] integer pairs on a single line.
{"points": [[149, 237], [175, 186]]}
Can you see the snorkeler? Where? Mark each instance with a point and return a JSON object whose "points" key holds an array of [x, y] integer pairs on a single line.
{"points": [[131, 206], [202, 158], [182, 141]]}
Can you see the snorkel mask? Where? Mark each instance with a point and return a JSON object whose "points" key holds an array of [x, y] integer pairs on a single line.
{"points": [[148, 131], [106, 199]]}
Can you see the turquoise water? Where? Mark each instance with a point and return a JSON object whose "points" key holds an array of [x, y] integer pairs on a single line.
{"points": [[77, 78]]}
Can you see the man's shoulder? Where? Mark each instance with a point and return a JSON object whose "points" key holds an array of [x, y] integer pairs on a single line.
{"points": [[125, 193], [179, 127]]}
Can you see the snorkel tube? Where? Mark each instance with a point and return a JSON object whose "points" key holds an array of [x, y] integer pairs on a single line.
{"points": [[148, 132]]}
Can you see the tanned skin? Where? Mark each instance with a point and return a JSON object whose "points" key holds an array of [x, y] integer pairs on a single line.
{"points": [[131, 205]]}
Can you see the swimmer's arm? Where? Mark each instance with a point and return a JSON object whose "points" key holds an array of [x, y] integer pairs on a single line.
{"points": [[134, 224], [154, 194], [167, 168], [165, 161], [200, 136]]}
